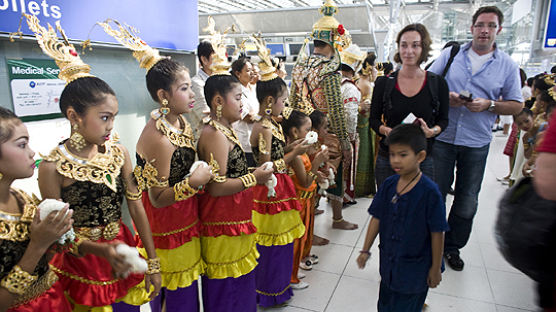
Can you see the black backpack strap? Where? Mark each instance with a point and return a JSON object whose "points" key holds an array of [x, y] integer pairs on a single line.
{"points": [[433, 81], [453, 52], [388, 88]]}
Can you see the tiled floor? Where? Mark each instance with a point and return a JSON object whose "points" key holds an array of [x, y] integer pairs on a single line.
{"points": [[487, 284]]}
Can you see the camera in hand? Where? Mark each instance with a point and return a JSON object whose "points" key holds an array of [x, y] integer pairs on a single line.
{"points": [[466, 95]]}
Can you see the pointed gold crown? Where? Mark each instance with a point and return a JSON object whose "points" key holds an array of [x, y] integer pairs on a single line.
{"points": [[220, 64], [268, 71], [127, 36], [380, 69], [328, 29], [64, 53], [367, 69]]}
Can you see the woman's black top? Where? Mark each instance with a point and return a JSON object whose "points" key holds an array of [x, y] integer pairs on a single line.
{"points": [[422, 105]]}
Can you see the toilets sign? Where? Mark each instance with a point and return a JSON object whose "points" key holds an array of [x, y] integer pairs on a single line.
{"points": [[167, 24], [35, 87]]}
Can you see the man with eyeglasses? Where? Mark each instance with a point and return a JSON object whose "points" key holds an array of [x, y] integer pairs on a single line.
{"points": [[484, 82]]}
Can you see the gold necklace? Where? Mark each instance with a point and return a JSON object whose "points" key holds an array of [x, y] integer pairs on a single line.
{"points": [[178, 137], [229, 133], [276, 128]]}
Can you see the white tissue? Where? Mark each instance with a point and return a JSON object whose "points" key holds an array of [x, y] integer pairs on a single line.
{"points": [[311, 138], [323, 186], [131, 256], [196, 165], [49, 205], [323, 147], [272, 182]]}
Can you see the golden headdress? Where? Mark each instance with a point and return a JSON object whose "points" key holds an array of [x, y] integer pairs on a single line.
{"points": [[367, 69], [220, 64], [64, 53], [268, 71], [352, 56], [549, 79], [127, 36], [328, 29], [380, 69]]}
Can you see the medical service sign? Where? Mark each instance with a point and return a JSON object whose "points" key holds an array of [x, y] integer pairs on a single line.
{"points": [[35, 86]]}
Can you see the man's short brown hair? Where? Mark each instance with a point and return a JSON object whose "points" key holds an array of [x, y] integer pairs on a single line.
{"points": [[489, 9], [425, 42]]}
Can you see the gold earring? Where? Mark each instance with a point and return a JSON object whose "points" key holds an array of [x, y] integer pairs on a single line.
{"points": [[164, 110], [268, 109], [218, 112], [76, 140], [1, 175]]}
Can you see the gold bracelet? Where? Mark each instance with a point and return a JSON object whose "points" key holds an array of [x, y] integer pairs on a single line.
{"points": [[74, 249], [17, 281], [312, 175], [153, 266], [183, 190], [248, 180], [133, 196]]}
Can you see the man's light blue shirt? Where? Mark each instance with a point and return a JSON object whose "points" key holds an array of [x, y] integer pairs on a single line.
{"points": [[497, 78]]}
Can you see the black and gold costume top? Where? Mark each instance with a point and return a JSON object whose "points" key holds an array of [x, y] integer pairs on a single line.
{"points": [[183, 157], [96, 195], [14, 235], [237, 162], [277, 145], [182, 160]]}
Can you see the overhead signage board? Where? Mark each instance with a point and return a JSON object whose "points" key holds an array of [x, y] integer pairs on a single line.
{"points": [[168, 24], [549, 41]]}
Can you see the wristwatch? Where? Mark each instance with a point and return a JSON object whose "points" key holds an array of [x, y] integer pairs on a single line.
{"points": [[492, 106]]}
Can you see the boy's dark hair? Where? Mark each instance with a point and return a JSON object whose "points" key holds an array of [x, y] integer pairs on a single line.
{"points": [[162, 75], [204, 49], [218, 84], [295, 120], [545, 97], [489, 9], [7, 122], [317, 119], [530, 102], [237, 66], [410, 135], [426, 42], [541, 84], [274, 87], [526, 111], [83, 93]]}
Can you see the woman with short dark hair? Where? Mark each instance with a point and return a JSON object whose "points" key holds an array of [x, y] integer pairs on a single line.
{"points": [[410, 95]]}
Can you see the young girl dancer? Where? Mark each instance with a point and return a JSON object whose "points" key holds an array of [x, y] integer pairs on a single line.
{"points": [[305, 175], [165, 154], [26, 282], [276, 217], [227, 232], [92, 172]]}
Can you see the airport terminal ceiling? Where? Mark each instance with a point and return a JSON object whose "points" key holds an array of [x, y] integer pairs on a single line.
{"points": [[374, 23]]}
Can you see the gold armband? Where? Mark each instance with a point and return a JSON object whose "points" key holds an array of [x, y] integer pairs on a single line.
{"points": [[133, 196], [262, 145], [312, 175], [183, 190], [153, 266], [248, 180], [18, 281]]}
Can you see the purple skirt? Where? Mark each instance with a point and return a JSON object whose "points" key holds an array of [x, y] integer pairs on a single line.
{"points": [[179, 300], [229, 294], [273, 275]]}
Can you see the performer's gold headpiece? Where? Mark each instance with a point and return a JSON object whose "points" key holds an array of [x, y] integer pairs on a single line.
{"points": [[127, 36], [549, 79], [64, 53], [328, 29], [220, 64], [268, 71]]}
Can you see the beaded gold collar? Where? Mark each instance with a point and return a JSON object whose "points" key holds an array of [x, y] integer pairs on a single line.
{"points": [[15, 226], [229, 133], [276, 128], [103, 168], [178, 137]]}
